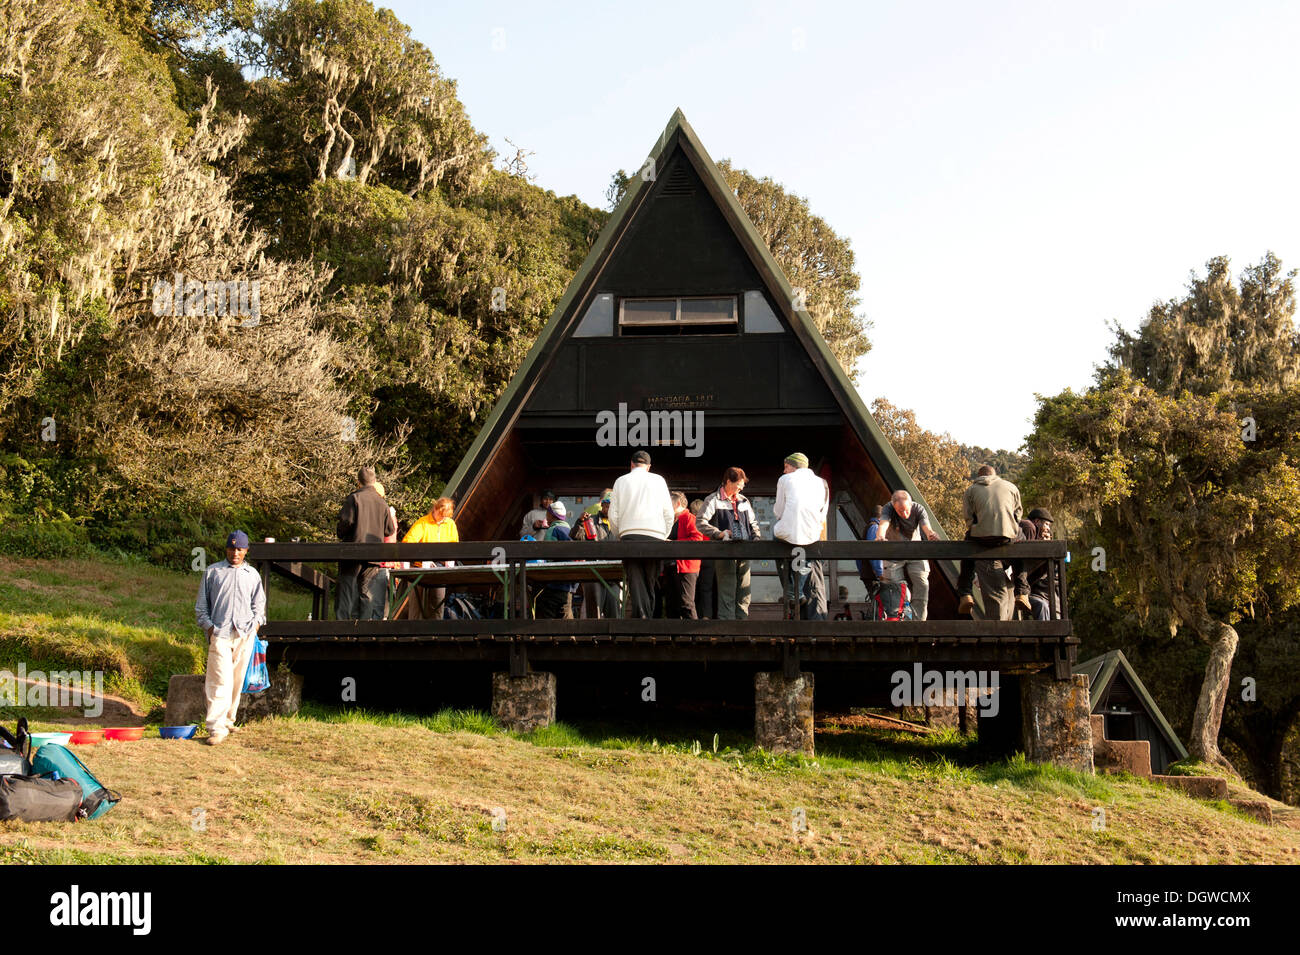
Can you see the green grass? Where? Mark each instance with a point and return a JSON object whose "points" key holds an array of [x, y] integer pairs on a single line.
{"points": [[128, 619], [337, 784]]}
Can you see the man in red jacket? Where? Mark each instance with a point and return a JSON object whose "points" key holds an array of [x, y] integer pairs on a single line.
{"points": [[681, 595]]}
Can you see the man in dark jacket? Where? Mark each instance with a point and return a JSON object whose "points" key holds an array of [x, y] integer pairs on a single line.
{"points": [[728, 515], [364, 518], [1035, 582]]}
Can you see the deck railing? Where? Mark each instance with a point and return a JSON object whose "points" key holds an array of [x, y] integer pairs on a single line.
{"points": [[506, 564], [511, 563]]}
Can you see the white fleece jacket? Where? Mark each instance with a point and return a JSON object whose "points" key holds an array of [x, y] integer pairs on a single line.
{"points": [[641, 504]]}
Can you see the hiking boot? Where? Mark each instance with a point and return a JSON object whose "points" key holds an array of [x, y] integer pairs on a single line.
{"points": [[1022, 601], [966, 604]]}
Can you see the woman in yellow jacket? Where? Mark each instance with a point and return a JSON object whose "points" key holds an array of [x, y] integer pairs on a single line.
{"points": [[436, 527]]}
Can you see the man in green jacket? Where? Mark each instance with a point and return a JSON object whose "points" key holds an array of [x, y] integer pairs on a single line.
{"points": [[993, 512]]}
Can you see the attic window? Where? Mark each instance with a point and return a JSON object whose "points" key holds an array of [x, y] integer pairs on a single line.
{"points": [[678, 316]]}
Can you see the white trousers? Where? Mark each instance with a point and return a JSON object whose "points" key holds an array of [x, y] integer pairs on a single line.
{"points": [[227, 663]]}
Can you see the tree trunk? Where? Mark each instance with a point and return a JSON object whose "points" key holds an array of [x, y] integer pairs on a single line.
{"points": [[1204, 742]]}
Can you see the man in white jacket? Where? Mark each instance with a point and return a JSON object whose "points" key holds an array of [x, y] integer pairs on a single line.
{"points": [[802, 500], [640, 509]]}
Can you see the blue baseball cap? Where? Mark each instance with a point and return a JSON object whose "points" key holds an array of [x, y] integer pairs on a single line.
{"points": [[237, 539]]}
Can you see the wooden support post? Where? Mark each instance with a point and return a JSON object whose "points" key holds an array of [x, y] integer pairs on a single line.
{"points": [[518, 658], [790, 660]]}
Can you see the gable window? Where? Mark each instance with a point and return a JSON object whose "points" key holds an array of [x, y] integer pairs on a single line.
{"points": [[678, 316]]}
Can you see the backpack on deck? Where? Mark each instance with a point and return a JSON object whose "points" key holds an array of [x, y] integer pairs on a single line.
{"points": [[890, 601], [95, 799], [461, 607]]}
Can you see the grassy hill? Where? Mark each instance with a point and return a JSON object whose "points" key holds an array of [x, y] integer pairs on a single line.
{"points": [[336, 786]]}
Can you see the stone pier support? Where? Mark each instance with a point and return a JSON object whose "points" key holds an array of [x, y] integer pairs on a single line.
{"points": [[186, 702], [783, 720], [523, 703], [1056, 726]]}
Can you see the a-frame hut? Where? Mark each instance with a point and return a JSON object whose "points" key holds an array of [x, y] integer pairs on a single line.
{"points": [[1130, 711], [681, 308]]}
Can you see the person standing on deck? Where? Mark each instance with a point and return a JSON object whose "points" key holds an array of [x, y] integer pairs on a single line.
{"points": [[436, 527], [906, 520], [230, 607], [802, 502], [680, 600], [640, 508], [364, 518], [599, 599], [993, 512], [728, 515], [555, 602]]}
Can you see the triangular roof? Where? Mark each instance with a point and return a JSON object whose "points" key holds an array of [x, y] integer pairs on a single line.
{"points": [[568, 312], [1102, 670]]}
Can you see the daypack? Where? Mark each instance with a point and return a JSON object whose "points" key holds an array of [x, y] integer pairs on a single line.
{"points": [[95, 799], [15, 750], [866, 568], [891, 601], [33, 799]]}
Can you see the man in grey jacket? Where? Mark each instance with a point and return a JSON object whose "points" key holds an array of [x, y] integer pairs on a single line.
{"points": [[230, 607], [993, 512]]}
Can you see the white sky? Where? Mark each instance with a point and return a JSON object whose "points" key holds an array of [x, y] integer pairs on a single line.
{"points": [[1010, 176]]}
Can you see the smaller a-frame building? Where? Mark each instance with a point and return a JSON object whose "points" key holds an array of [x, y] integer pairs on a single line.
{"points": [[1129, 710], [680, 313]]}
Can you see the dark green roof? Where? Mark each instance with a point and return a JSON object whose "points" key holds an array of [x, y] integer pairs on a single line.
{"points": [[1101, 671]]}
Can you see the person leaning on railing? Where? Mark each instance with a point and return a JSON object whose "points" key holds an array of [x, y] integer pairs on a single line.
{"points": [[364, 518], [436, 527], [1035, 581], [728, 515], [599, 600], [640, 508], [993, 512]]}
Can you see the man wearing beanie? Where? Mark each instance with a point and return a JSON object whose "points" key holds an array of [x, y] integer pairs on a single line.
{"points": [[230, 607], [802, 501]]}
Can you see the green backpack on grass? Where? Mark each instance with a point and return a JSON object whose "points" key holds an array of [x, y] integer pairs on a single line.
{"points": [[95, 798]]}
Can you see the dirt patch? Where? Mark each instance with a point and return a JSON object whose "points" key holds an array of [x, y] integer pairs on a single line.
{"points": [[117, 711], [860, 721]]}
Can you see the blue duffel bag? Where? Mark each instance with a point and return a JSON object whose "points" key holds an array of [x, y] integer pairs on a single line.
{"points": [[95, 798]]}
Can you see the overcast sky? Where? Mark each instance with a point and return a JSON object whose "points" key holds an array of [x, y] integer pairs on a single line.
{"points": [[1010, 176]]}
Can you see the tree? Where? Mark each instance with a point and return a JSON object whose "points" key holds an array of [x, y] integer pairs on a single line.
{"points": [[1197, 507], [813, 257], [935, 462], [366, 101], [151, 402], [1219, 336]]}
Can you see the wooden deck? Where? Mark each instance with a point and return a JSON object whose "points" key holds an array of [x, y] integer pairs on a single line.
{"points": [[518, 640]]}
